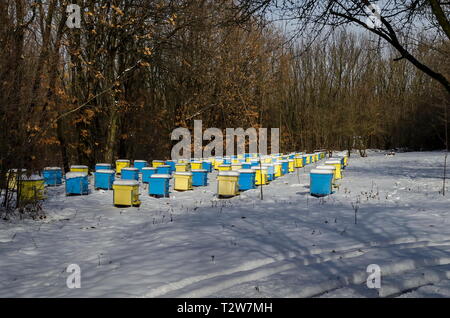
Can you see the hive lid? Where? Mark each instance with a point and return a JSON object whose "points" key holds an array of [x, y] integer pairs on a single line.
{"points": [[181, 164], [123, 160], [105, 171], [326, 167], [130, 169], [246, 171], [164, 166], [183, 173], [71, 175], [160, 176], [33, 177], [149, 168], [78, 167], [321, 171], [103, 164], [141, 161], [199, 170], [158, 161], [268, 164], [126, 182], [333, 162], [52, 168], [224, 165], [259, 168], [229, 173], [16, 170]]}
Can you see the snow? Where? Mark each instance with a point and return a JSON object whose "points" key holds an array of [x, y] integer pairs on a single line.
{"points": [[246, 171], [72, 175], [130, 169], [183, 173], [126, 182], [229, 173], [159, 176], [106, 171], [321, 171], [33, 177], [288, 245]]}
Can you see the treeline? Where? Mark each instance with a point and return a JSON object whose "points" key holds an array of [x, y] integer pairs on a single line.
{"points": [[136, 70]]}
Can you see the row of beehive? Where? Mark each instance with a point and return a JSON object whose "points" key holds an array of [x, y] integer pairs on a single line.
{"points": [[188, 173]]}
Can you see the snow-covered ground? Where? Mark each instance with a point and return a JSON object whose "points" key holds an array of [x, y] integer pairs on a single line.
{"points": [[288, 245]]}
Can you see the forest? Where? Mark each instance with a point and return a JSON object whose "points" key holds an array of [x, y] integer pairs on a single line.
{"points": [[117, 86]]}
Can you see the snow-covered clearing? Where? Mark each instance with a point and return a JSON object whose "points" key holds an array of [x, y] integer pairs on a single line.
{"points": [[288, 245]]}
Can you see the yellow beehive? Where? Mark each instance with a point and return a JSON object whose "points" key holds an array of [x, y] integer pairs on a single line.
{"points": [[11, 176], [291, 165], [196, 165], [241, 156], [157, 163], [217, 163], [298, 162], [83, 169], [261, 176], [182, 181], [120, 164], [228, 183], [236, 166], [212, 160], [126, 193], [31, 188], [278, 169], [345, 161], [181, 167], [235, 161], [224, 168], [337, 164]]}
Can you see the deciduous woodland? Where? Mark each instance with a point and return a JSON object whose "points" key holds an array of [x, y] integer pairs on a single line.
{"points": [[135, 70]]}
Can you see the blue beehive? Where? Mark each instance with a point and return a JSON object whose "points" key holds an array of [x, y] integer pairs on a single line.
{"points": [[270, 171], [207, 165], [130, 174], [284, 166], [172, 165], [227, 161], [247, 179], [147, 172], [321, 182], [164, 169], [159, 185], [52, 176], [77, 183], [246, 165], [304, 160], [102, 166], [254, 163], [199, 178], [104, 179], [139, 164]]}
